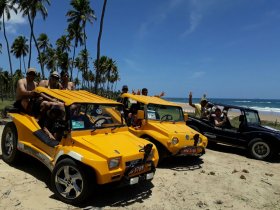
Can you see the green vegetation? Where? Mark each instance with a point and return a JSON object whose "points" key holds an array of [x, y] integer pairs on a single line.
{"points": [[98, 75]]}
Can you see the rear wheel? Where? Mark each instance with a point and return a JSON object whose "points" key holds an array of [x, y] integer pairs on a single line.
{"points": [[260, 149], [71, 181], [9, 141]]}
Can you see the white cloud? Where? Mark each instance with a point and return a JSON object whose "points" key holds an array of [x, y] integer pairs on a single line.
{"points": [[197, 74], [15, 21], [194, 21]]}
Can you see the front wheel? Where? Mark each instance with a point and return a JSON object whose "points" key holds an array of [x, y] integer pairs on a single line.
{"points": [[9, 141], [260, 149], [71, 182]]}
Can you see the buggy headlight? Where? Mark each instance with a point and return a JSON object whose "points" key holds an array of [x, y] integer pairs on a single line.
{"points": [[175, 140], [114, 163]]}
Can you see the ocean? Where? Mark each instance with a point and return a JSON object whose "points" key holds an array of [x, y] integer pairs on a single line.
{"points": [[268, 106]]}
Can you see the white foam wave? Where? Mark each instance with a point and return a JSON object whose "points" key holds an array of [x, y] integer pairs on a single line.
{"points": [[243, 101], [266, 109]]}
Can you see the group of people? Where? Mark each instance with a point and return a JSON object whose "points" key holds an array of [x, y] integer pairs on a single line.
{"points": [[25, 90], [44, 108], [205, 109]]}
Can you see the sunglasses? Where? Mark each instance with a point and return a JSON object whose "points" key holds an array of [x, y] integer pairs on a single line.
{"points": [[31, 74]]}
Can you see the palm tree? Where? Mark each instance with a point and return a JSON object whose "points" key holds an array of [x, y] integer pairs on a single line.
{"points": [[5, 7], [79, 16], [63, 44], [30, 8], [82, 62], [20, 49], [74, 33], [98, 45], [43, 44]]}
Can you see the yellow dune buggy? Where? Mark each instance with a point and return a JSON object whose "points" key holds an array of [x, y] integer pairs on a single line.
{"points": [[164, 124], [95, 146]]}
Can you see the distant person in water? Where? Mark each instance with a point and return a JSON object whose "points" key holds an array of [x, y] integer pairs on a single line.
{"points": [[65, 83], [52, 82], [25, 90], [201, 108]]}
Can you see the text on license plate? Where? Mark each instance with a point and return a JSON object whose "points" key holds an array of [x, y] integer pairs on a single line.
{"points": [[191, 150], [136, 170]]}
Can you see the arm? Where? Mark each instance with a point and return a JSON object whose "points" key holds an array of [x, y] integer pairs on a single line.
{"points": [[190, 100], [221, 123]]}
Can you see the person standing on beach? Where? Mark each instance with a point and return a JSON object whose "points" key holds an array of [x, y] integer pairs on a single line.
{"points": [[25, 90], [200, 109]]}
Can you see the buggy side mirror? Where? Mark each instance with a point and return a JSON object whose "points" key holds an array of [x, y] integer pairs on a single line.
{"points": [[186, 116], [140, 115]]}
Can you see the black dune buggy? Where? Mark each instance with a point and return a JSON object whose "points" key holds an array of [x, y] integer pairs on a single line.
{"points": [[242, 129]]}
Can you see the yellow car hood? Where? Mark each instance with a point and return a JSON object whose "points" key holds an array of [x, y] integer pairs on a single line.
{"points": [[112, 144], [171, 128]]}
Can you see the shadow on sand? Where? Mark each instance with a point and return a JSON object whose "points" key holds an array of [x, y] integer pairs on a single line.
{"points": [[181, 163], [106, 195]]}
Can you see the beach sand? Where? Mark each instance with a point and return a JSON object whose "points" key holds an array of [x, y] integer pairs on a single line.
{"points": [[223, 178]]}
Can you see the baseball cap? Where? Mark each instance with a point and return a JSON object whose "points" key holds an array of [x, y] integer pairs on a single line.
{"points": [[54, 74], [31, 70]]}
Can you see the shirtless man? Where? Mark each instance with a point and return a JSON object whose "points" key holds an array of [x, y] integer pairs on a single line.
{"points": [[66, 85], [25, 90], [52, 82]]}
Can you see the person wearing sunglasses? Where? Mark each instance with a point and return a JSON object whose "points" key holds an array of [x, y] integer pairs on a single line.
{"points": [[52, 82]]}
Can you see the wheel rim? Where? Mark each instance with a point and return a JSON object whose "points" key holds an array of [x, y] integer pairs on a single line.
{"points": [[69, 182], [261, 149], [9, 146]]}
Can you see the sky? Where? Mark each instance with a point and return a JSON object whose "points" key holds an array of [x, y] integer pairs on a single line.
{"points": [[224, 48]]}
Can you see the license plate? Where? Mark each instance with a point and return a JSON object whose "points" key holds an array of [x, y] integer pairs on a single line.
{"points": [[136, 170], [191, 151]]}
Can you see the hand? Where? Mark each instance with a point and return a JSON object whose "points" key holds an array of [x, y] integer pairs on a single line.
{"points": [[133, 92], [138, 92]]}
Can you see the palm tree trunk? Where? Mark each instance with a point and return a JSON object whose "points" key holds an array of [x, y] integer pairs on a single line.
{"points": [[24, 65], [30, 42], [98, 46], [8, 49], [72, 65], [20, 65], [38, 50], [31, 23]]}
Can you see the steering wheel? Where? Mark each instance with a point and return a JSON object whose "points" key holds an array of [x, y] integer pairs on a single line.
{"points": [[166, 117], [99, 122]]}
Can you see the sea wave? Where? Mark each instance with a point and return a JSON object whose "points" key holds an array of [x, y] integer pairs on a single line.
{"points": [[242, 101], [266, 109]]}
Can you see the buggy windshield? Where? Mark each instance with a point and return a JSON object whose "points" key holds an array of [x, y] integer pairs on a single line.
{"points": [[164, 113], [95, 116]]}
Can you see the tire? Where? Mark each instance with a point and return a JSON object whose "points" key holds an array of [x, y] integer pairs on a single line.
{"points": [[71, 181], [260, 149], [162, 151], [10, 153]]}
